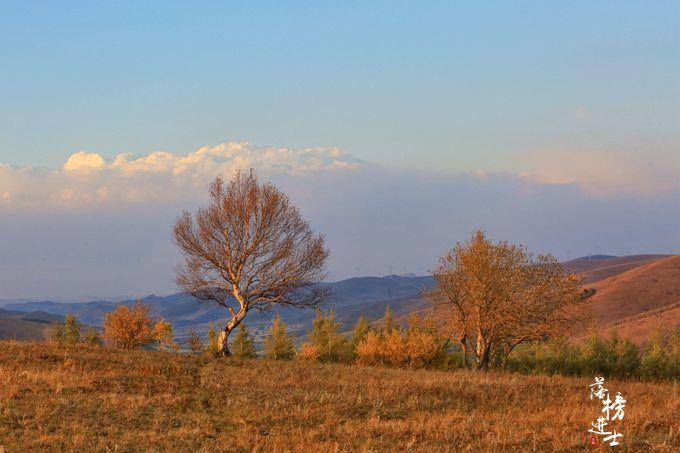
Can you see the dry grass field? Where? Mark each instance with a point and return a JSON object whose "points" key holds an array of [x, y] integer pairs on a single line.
{"points": [[99, 400]]}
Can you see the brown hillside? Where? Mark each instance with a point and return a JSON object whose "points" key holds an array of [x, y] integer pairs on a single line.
{"points": [[595, 270], [637, 291], [638, 327]]}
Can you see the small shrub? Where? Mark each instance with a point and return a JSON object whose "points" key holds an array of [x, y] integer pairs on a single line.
{"points": [[243, 346], [194, 343], [360, 331], [396, 349], [424, 349], [661, 358], [213, 340], [163, 335], [68, 332], [279, 345], [326, 340], [371, 350], [309, 352], [132, 327], [421, 346], [93, 338]]}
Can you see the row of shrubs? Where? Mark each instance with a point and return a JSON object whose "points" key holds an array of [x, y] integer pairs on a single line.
{"points": [[125, 327], [659, 359], [421, 344]]}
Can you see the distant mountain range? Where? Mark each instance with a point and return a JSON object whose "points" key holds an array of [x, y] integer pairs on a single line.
{"points": [[633, 293], [351, 298]]}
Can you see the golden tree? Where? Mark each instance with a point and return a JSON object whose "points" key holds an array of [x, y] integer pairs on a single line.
{"points": [[360, 331], [371, 349], [163, 335], [249, 249], [498, 295], [132, 327]]}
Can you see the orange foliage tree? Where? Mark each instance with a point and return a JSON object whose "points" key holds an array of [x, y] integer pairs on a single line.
{"points": [[498, 295], [132, 327]]}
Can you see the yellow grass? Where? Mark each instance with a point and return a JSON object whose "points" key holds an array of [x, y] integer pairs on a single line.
{"points": [[94, 399]]}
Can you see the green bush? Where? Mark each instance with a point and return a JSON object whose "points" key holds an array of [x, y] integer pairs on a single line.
{"points": [[68, 332], [243, 346], [661, 358], [325, 342], [279, 345]]}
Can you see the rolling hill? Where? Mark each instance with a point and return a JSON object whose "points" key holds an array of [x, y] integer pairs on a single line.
{"points": [[599, 267], [26, 325], [640, 299]]}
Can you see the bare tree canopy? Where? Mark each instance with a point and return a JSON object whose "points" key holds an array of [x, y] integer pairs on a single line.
{"points": [[497, 296], [250, 249]]}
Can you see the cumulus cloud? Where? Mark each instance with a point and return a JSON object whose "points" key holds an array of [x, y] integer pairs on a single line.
{"points": [[87, 178], [84, 160]]}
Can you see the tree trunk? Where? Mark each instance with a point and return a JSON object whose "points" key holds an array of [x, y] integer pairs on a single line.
{"points": [[482, 353], [483, 362], [464, 347], [483, 358], [223, 343], [223, 339]]}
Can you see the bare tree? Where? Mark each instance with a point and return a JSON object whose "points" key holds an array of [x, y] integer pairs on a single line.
{"points": [[250, 249], [497, 296]]}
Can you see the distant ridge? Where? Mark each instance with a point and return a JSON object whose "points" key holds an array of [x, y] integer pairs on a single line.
{"points": [[351, 298], [599, 267], [652, 287], [597, 257], [626, 286], [21, 325]]}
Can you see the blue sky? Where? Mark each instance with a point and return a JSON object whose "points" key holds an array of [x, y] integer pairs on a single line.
{"points": [[455, 85], [398, 128]]}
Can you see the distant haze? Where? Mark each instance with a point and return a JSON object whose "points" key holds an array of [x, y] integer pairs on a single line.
{"points": [[101, 227]]}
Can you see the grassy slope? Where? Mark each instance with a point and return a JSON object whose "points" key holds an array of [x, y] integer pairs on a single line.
{"points": [[598, 269], [128, 401], [22, 330], [645, 288], [638, 327]]}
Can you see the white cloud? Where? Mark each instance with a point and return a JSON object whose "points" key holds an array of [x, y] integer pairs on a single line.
{"points": [[84, 160], [87, 178]]}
